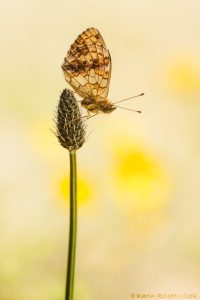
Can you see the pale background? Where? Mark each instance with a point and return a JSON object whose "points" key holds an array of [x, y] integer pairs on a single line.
{"points": [[139, 224]]}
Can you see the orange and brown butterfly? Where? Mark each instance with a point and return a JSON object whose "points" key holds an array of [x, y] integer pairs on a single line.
{"points": [[87, 68]]}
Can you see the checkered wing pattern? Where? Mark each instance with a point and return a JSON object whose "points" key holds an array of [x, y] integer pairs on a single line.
{"points": [[87, 66]]}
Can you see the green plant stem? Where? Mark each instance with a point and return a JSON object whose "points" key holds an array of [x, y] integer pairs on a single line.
{"points": [[72, 228]]}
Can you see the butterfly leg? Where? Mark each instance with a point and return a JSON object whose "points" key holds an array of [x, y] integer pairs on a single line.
{"points": [[89, 117]]}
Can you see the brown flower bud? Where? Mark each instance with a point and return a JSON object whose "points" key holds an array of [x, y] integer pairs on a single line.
{"points": [[70, 129]]}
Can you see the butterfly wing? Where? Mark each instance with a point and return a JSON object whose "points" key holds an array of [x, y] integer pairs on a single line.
{"points": [[87, 66]]}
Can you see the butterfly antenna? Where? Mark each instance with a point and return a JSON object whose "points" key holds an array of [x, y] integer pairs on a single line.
{"points": [[137, 111], [142, 94]]}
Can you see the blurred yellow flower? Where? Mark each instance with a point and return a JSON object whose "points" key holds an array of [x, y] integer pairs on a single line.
{"points": [[84, 191], [141, 182], [184, 76]]}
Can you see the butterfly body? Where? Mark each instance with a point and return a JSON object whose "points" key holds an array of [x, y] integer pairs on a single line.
{"points": [[87, 68], [101, 106]]}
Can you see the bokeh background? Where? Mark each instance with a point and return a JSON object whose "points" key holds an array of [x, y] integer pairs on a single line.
{"points": [[139, 224]]}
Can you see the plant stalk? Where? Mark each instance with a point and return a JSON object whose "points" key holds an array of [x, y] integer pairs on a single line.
{"points": [[72, 228]]}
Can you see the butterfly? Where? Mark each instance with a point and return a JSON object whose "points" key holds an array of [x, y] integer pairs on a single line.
{"points": [[87, 68]]}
